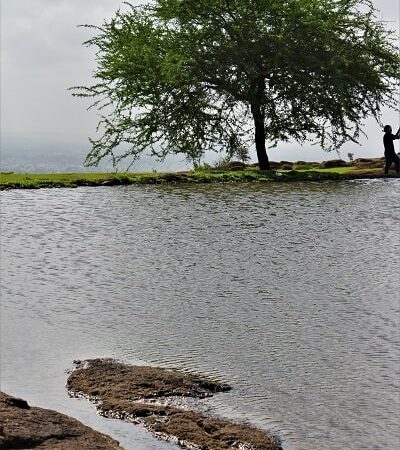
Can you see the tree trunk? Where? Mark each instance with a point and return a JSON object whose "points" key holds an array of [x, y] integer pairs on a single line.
{"points": [[259, 126]]}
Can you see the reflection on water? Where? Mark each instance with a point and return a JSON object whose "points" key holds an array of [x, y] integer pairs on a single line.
{"points": [[288, 292]]}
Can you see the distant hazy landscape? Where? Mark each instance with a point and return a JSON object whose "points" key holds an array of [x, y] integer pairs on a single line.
{"points": [[65, 153], [37, 155]]}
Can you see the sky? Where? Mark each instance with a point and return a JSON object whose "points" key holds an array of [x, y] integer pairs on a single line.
{"points": [[42, 56]]}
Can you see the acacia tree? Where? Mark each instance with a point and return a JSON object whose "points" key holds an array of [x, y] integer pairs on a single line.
{"points": [[185, 76]]}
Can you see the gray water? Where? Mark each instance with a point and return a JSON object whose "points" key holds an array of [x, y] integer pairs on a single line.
{"points": [[289, 292]]}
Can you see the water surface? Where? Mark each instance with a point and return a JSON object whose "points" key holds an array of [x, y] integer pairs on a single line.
{"points": [[289, 292]]}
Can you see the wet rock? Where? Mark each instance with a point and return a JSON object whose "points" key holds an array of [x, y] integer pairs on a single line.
{"points": [[210, 433], [140, 394], [106, 377], [174, 177], [23, 427], [13, 401]]}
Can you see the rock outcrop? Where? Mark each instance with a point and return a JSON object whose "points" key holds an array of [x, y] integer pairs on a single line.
{"points": [[369, 163], [333, 163], [154, 397], [23, 427]]}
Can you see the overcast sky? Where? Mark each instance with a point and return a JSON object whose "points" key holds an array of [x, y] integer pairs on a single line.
{"points": [[42, 56]]}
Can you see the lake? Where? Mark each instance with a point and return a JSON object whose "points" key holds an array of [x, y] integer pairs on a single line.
{"points": [[289, 292]]}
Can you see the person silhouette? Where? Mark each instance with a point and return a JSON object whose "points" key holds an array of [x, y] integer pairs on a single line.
{"points": [[390, 154]]}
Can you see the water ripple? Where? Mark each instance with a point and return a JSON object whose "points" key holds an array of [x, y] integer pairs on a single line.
{"points": [[288, 292]]}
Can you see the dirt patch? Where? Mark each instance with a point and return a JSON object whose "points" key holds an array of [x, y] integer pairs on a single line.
{"points": [[138, 394], [23, 427]]}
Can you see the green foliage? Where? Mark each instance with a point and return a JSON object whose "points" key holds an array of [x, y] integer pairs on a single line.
{"points": [[183, 76], [39, 180], [205, 167], [236, 149], [222, 163]]}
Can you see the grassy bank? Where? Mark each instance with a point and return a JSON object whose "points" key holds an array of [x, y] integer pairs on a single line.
{"points": [[13, 180]]}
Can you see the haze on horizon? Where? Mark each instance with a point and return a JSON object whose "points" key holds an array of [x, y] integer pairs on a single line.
{"points": [[43, 128]]}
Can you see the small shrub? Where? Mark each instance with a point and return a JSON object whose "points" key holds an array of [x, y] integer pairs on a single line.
{"points": [[205, 167]]}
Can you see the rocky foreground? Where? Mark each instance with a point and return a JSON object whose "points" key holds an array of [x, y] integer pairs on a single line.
{"points": [[150, 396], [23, 427]]}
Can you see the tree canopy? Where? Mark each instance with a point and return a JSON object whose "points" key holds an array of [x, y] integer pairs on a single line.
{"points": [[186, 76]]}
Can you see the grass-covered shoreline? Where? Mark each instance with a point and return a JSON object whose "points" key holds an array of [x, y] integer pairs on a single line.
{"points": [[11, 180]]}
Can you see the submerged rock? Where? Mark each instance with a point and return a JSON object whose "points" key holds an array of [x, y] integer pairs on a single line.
{"points": [[140, 394], [106, 377], [23, 426]]}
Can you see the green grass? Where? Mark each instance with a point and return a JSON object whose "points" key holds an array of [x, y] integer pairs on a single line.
{"points": [[334, 169], [40, 180], [34, 181]]}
